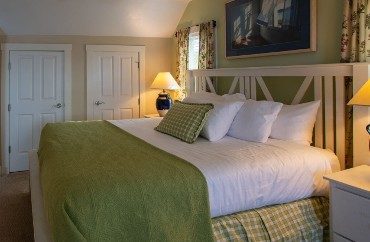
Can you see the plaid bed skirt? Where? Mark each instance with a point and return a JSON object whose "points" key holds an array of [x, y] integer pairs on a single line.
{"points": [[303, 220]]}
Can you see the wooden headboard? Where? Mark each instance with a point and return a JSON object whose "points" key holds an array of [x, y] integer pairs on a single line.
{"points": [[329, 87]]}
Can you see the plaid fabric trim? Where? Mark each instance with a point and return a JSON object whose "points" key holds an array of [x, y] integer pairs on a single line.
{"points": [[185, 120], [304, 220]]}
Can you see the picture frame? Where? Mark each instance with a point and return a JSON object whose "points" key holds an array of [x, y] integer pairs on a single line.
{"points": [[269, 27]]}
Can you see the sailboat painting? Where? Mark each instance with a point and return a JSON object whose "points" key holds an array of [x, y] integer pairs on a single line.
{"points": [[270, 27]]}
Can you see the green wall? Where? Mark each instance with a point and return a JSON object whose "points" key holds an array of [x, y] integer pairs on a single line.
{"points": [[329, 19]]}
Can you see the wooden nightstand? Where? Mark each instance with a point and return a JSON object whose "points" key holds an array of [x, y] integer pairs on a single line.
{"points": [[350, 204], [154, 115]]}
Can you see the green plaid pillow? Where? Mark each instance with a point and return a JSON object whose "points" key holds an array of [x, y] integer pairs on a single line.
{"points": [[185, 120]]}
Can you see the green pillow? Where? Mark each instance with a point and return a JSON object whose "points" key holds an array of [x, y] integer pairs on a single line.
{"points": [[185, 120]]}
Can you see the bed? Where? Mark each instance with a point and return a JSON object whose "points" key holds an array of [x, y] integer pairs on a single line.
{"points": [[248, 184]]}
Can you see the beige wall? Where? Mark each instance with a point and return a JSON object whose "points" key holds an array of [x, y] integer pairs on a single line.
{"points": [[158, 58], [329, 26]]}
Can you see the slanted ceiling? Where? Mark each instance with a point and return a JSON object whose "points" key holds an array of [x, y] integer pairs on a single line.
{"points": [[137, 18]]}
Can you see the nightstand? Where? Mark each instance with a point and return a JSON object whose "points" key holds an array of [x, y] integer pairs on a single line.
{"points": [[154, 115], [350, 204]]}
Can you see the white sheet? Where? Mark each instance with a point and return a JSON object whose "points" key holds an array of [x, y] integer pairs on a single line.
{"points": [[243, 175]]}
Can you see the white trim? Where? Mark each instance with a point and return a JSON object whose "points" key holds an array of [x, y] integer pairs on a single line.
{"points": [[5, 49], [115, 48]]}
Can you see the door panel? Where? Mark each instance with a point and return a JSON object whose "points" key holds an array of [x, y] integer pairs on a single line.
{"points": [[126, 113], [26, 78], [25, 133], [107, 114], [113, 85], [46, 118], [48, 84], [126, 77], [106, 78], [36, 86]]}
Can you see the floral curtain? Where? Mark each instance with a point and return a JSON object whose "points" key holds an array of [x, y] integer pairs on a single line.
{"points": [[207, 45], [182, 37], [355, 47]]}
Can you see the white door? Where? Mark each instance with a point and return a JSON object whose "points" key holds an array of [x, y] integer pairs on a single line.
{"points": [[36, 98], [113, 85]]}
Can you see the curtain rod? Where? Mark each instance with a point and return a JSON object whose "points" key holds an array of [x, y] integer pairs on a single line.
{"points": [[213, 23]]}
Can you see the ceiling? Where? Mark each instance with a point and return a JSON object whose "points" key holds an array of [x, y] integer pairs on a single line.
{"points": [[137, 18]]}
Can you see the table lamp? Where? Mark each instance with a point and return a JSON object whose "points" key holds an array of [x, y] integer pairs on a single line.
{"points": [[362, 98], [164, 81]]}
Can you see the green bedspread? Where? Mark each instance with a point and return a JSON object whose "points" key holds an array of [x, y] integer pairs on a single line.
{"points": [[100, 183]]}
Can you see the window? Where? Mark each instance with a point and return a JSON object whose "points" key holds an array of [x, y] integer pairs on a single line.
{"points": [[193, 55]]}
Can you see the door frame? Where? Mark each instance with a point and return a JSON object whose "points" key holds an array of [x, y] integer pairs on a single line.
{"points": [[5, 85], [116, 48]]}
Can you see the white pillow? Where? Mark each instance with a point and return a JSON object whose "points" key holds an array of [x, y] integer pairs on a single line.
{"points": [[296, 122], [234, 97], [202, 96], [254, 120], [221, 117], [208, 96]]}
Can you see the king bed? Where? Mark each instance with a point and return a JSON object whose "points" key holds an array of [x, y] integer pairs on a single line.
{"points": [[123, 180]]}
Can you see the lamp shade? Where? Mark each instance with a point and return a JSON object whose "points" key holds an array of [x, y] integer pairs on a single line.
{"points": [[164, 80], [362, 97]]}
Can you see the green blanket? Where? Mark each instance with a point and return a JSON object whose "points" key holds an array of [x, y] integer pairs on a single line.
{"points": [[101, 183]]}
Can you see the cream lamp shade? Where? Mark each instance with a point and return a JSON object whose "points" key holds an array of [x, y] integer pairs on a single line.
{"points": [[362, 97], [165, 81]]}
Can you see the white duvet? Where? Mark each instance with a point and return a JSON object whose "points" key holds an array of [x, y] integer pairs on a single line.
{"points": [[243, 175]]}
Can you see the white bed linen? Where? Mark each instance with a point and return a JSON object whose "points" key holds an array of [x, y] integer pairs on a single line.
{"points": [[242, 175]]}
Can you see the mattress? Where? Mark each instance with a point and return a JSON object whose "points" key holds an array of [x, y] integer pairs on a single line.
{"points": [[244, 175]]}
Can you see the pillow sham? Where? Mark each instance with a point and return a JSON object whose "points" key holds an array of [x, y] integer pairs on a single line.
{"points": [[208, 96], [221, 117], [296, 122], [185, 121], [234, 97], [254, 120], [202, 96]]}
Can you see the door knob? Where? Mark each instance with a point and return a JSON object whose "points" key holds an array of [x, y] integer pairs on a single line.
{"points": [[58, 105], [97, 103]]}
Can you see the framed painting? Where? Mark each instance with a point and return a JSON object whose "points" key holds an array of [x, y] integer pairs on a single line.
{"points": [[270, 27]]}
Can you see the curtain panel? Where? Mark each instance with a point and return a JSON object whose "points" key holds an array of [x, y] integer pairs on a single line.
{"points": [[207, 49], [182, 37], [207, 45], [355, 31], [355, 47]]}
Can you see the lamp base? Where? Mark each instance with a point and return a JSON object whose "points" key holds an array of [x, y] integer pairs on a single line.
{"points": [[162, 113], [163, 103]]}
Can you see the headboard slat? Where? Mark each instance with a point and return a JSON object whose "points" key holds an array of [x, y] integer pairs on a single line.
{"points": [[247, 89], [340, 125], [210, 84], [319, 133], [253, 88], [329, 113], [264, 88], [242, 85], [302, 90], [233, 85]]}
